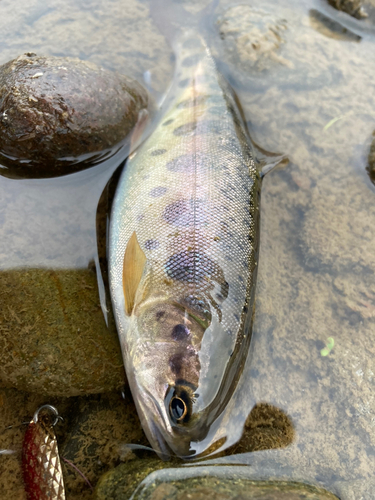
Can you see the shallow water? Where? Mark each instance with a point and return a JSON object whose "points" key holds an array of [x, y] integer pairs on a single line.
{"points": [[307, 90]]}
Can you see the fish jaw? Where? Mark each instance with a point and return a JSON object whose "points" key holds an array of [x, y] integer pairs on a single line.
{"points": [[154, 418]]}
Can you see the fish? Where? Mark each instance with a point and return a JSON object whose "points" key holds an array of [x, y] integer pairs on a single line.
{"points": [[183, 254], [41, 466]]}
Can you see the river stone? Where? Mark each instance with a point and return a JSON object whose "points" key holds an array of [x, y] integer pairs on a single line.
{"points": [[54, 339], [351, 7], [120, 483], [371, 160], [98, 429], [253, 37], [59, 115]]}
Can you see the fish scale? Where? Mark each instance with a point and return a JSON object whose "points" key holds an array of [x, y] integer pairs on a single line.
{"points": [[190, 195]]}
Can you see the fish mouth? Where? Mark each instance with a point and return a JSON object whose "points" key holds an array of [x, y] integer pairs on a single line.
{"points": [[161, 435], [159, 443], [150, 426], [164, 450]]}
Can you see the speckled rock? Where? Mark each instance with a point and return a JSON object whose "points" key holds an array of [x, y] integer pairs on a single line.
{"points": [[266, 428], [99, 427], [177, 484], [119, 483], [253, 37], [352, 7], [54, 339], [371, 160], [330, 28], [59, 114], [258, 43]]}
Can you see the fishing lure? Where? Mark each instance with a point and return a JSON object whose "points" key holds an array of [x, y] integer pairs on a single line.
{"points": [[41, 466]]}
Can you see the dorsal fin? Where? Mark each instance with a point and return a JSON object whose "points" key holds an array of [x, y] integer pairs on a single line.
{"points": [[134, 264]]}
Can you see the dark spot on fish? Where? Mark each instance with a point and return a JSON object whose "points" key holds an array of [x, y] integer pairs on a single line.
{"points": [[158, 191], [168, 122], [178, 362], [183, 83], [191, 102], [159, 315], [185, 213], [151, 244], [189, 162], [180, 332], [229, 332], [186, 129], [225, 289], [245, 309], [240, 278], [236, 317], [175, 363], [199, 128], [175, 210], [158, 152], [190, 266]]}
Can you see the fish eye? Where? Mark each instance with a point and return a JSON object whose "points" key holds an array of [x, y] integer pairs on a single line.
{"points": [[177, 409], [179, 401]]}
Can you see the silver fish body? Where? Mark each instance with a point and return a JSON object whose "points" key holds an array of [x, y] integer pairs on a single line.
{"points": [[188, 205]]}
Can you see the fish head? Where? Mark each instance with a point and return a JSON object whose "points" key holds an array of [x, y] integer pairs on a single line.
{"points": [[164, 373]]}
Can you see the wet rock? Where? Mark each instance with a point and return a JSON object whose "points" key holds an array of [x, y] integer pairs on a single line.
{"points": [[330, 28], [253, 37], [59, 115], [98, 429], [164, 490], [257, 45], [371, 160], [120, 482], [214, 484], [352, 7], [266, 428], [54, 338]]}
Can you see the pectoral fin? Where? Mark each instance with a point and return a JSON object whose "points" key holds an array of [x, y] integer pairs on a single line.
{"points": [[134, 264]]}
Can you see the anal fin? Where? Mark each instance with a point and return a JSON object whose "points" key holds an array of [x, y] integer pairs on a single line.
{"points": [[134, 264]]}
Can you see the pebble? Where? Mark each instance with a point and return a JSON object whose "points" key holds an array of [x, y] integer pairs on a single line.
{"points": [[223, 486], [54, 339], [253, 37], [59, 115], [352, 7]]}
